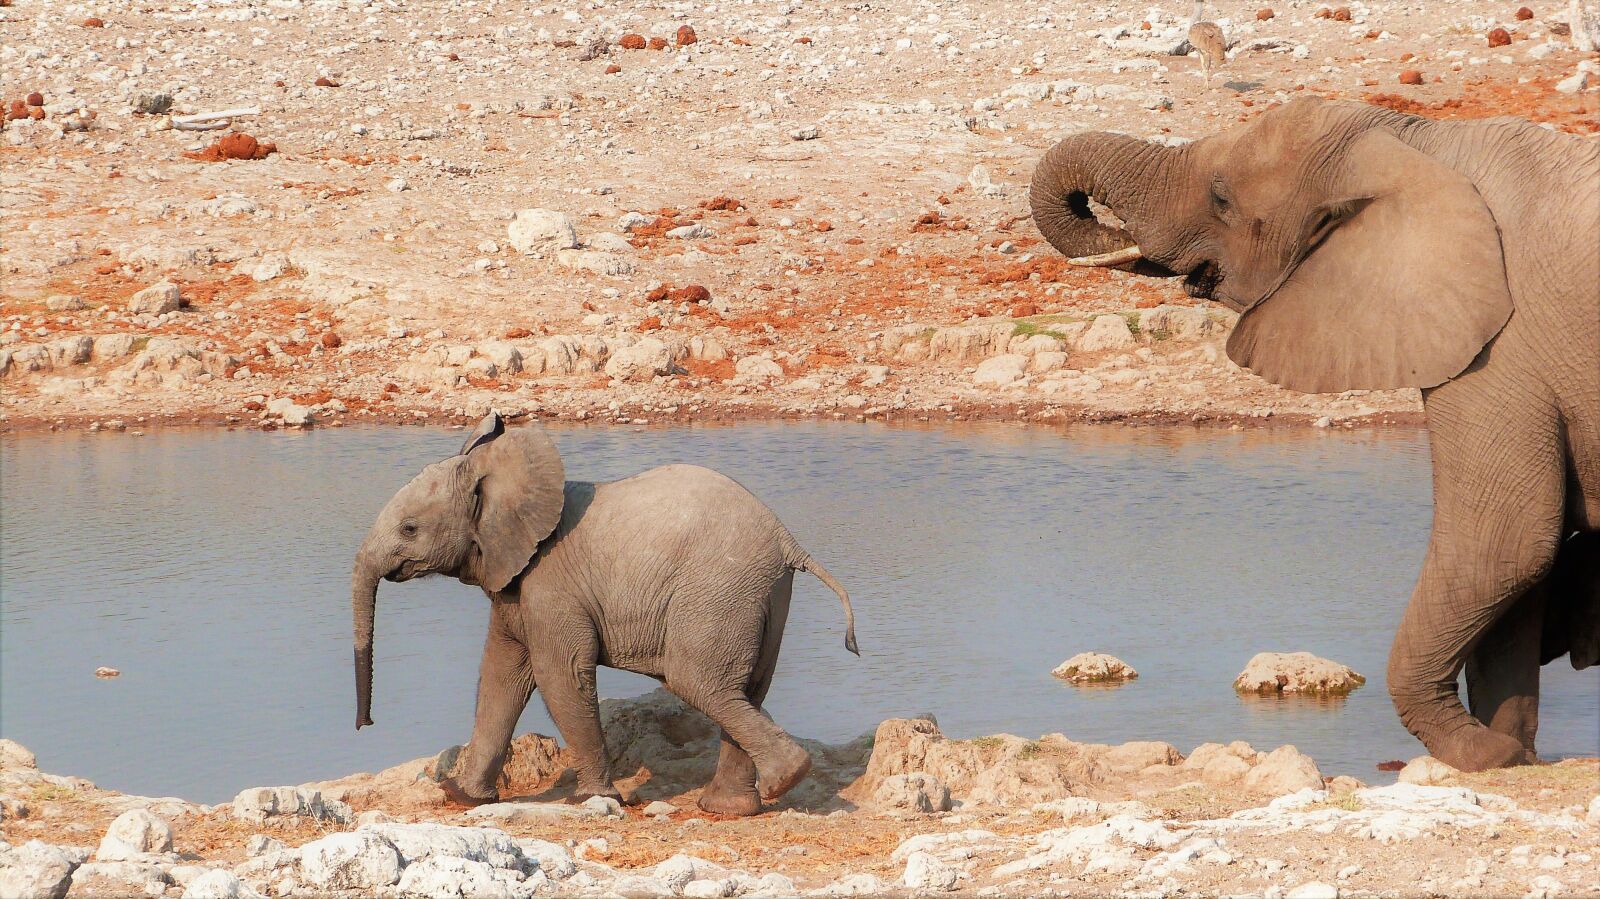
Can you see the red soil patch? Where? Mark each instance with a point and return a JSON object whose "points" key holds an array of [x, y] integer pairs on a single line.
{"points": [[1538, 101]]}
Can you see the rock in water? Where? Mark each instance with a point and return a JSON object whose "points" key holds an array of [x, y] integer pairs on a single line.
{"points": [[1296, 672], [1094, 668]]}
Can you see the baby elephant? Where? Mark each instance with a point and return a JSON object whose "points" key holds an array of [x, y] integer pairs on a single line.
{"points": [[677, 573]]}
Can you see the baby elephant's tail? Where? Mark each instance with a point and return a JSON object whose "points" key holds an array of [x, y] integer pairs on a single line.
{"points": [[800, 560]]}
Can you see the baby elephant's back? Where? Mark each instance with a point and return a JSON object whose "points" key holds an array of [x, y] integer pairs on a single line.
{"points": [[685, 521]]}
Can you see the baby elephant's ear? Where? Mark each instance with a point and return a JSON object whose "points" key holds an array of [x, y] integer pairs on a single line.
{"points": [[1404, 284], [488, 429], [520, 490]]}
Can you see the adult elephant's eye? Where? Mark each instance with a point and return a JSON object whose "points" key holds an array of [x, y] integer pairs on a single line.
{"points": [[408, 529]]}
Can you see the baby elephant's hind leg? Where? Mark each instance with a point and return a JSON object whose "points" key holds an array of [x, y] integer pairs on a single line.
{"points": [[732, 790], [754, 749]]}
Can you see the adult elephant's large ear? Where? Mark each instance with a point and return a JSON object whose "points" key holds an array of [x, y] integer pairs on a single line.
{"points": [[520, 487], [1401, 284]]}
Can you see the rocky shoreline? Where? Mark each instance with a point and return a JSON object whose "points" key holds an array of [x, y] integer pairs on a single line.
{"points": [[905, 811], [794, 214]]}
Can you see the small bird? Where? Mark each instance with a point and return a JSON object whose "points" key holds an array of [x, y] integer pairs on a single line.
{"points": [[1207, 39]]}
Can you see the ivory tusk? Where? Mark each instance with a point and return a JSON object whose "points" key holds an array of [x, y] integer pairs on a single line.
{"points": [[199, 117], [1107, 260]]}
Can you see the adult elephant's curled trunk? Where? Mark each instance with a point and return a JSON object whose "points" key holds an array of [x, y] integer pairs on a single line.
{"points": [[1111, 168], [363, 603]]}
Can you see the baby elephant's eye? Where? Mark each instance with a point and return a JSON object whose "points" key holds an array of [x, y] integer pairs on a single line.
{"points": [[409, 529]]}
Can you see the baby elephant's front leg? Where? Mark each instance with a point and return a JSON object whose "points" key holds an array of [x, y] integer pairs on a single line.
{"points": [[505, 681], [569, 695]]}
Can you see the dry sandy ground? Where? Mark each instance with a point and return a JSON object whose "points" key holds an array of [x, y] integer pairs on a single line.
{"points": [[858, 171]]}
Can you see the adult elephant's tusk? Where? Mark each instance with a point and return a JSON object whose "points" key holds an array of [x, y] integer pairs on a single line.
{"points": [[1107, 260]]}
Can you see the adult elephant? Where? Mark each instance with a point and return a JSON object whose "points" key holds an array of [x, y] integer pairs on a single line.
{"points": [[1370, 250]]}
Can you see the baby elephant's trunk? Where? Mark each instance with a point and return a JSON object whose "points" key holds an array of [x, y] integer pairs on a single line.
{"points": [[800, 560]]}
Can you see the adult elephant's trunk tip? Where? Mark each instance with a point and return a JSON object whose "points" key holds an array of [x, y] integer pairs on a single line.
{"points": [[363, 603], [1102, 166]]}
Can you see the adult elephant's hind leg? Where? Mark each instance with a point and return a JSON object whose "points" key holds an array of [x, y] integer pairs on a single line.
{"points": [[1503, 672], [1498, 493], [732, 790]]}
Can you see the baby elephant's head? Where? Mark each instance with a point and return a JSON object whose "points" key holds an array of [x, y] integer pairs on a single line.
{"points": [[478, 516]]}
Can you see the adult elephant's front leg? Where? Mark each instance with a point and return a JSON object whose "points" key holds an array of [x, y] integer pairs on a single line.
{"points": [[1498, 481], [1503, 672], [505, 682]]}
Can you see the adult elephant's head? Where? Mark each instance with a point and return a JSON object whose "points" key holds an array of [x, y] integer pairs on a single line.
{"points": [[478, 516], [1357, 260]]}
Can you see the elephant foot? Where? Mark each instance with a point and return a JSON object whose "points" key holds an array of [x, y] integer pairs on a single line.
{"points": [[1477, 748], [719, 801], [589, 792], [455, 793], [779, 775]]}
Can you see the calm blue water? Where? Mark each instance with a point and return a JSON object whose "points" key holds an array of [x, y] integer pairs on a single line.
{"points": [[212, 568]]}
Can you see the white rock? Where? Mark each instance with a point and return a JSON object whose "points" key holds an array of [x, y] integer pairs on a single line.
{"points": [[1178, 322], [1283, 770], [261, 844], [1000, 371], [1313, 889], [1106, 332], [414, 842], [360, 860], [1094, 667], [529, 812], [34, 869], [1584, 18], [659, 808], [505, 356], [772, 885], [1296, 672], [112, 346], [929, 842], [708, 889], [755, 370], [157, 299], [680, 869], [448, 876], [609, 242], [604, 805], [1594, 812], [542, 230], [983, 184], [16, 757], [689, 232], [596, 261], [1573, 83], [134, 834], [217, 884], [916, 792], [1427, 771], [640, 362], [925, 872], [260, 803], [64, 303], [554, 859], [270, 266]]}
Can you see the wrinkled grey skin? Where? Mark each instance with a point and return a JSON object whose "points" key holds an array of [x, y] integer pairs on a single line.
{"points": [[677, 573], [1367, 249]]}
